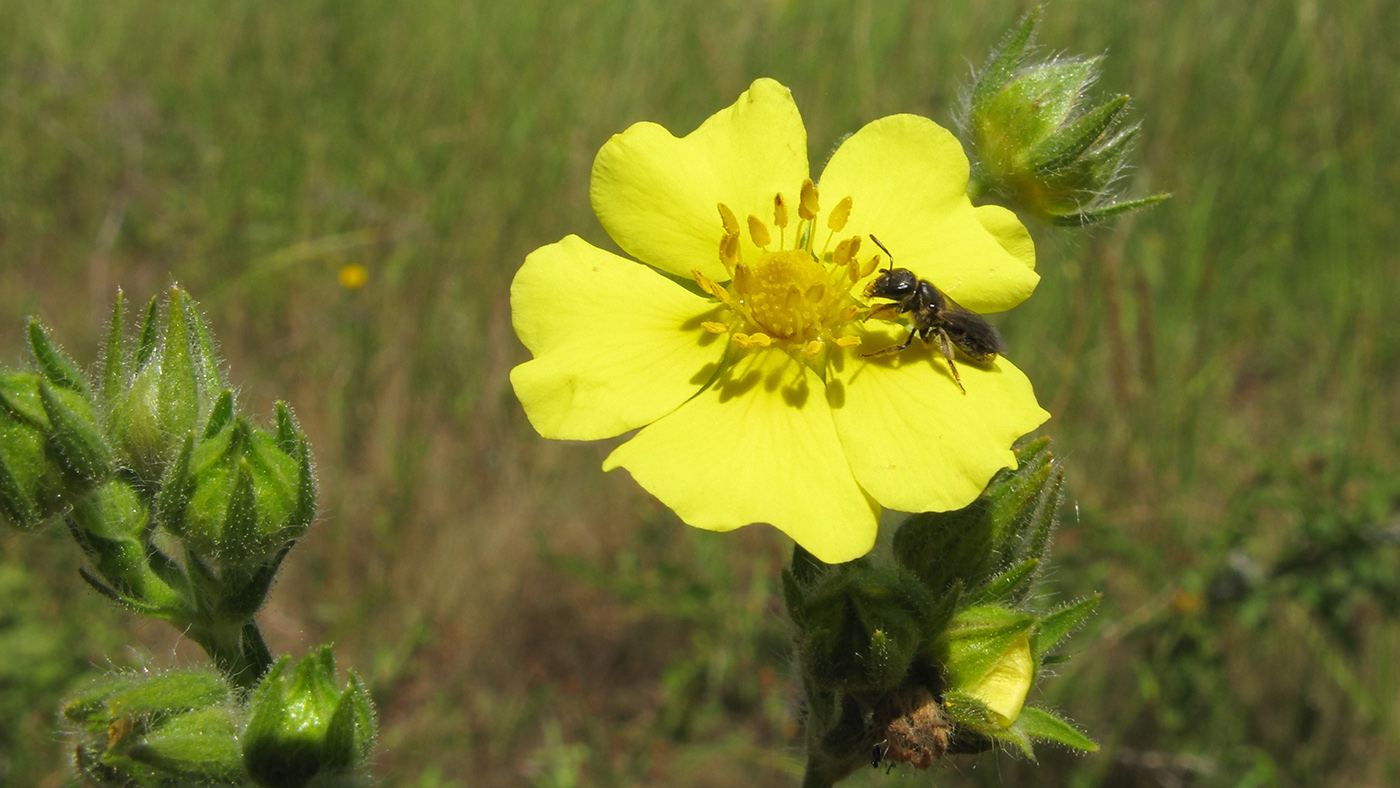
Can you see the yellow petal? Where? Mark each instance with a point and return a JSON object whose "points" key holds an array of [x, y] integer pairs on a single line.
{"points": [[616, 345], [758, 446], [1006, 685], [907, 177], [914, 440], [657, 195]]}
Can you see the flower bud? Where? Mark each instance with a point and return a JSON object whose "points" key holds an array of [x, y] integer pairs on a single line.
{"points": [[989, 659], [31, 485], [241, 494], [143, 729], [302, 725], [1040, 145], [168, 389]]}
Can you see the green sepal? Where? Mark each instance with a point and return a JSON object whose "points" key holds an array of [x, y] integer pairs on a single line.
{"points": [[943, 548], [977, 638], [1075, 137], [301, 725], [53, 363], [176, 489], [794, 599], [1061, 622], [1044, 725], [16, 506], [1104, 213], [350, 736], [177, 395], [1012, 585], [244, 589], [997, 71], [220, 415], [148, 337], [206, 357], [112, 373], [75, 435], [1027, 111], [196, 748]]}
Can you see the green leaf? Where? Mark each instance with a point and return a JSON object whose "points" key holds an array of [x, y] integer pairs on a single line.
{"points": [[1044, 725]]}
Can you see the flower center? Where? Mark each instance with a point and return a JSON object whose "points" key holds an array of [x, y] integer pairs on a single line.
{"points": [[792, 294]]}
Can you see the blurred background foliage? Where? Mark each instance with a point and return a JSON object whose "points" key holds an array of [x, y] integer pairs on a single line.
{"points": [[1222, 369]]}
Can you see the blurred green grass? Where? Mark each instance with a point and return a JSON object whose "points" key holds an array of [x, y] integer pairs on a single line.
{"points": [[1222, 369]]}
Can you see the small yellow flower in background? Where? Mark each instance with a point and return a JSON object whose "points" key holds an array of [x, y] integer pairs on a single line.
{"points": [[352, 276], [738, 347]]}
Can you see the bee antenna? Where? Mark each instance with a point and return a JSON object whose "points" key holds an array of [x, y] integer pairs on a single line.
{"points": [[883, 249]]}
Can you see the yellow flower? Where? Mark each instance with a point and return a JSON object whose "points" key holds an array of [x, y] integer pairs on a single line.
{"points": [[738, 349]]}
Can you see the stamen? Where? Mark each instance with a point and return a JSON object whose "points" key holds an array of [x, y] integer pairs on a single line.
{"points": [[729, 250], [840, 215], [714, 328], [813, 348], [759, 232], [726, 217], [849, 341], [780, 211], [809, 206], [870, 266]]}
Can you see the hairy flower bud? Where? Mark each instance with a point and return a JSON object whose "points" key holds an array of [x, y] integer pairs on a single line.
{"points": [[167, 388], [1040, 144], [241, 494], [31, 485], [156, 729], [302, 724]]}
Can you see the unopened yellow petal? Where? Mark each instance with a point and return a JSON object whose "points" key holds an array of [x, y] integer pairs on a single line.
{"points": [[656, 193], [907, 177], [915, 441], [615, 344], [757, 447], [1006, 685]]}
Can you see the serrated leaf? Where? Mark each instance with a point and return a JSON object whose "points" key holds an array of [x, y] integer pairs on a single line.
{"points": [[1044, 725]]}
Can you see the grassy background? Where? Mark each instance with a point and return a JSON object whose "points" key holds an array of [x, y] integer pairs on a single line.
{"points": [[1222, 369]]}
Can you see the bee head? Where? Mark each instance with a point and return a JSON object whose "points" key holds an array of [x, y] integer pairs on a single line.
{"points": [[894, 284]]}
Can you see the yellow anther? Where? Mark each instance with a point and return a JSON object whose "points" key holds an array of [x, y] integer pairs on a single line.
{"points": [[849, 313], [809, 206], [842, 255], [848, 341], [729, 250], [714, 328], [816, 293], [813, 348], [707, 284], [760, 339], [758, 232], [839, 215], [726, 217], [870, 266], [780, 212]]}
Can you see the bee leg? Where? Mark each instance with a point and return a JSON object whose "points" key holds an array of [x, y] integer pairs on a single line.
{"points": [[889, 351], [884, 312], [947, 345]]}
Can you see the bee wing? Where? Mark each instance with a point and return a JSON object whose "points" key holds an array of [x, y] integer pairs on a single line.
{"points": [[970, 331]]}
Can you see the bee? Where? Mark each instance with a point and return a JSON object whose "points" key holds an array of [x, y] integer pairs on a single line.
{"points": [[932, 313]]}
